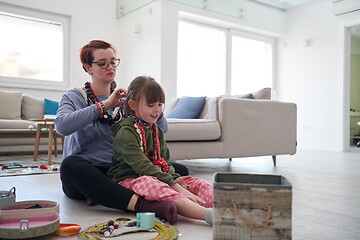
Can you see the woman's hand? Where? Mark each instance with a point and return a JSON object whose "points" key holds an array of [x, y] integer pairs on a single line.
{"points": [[114, 100], [177, 187]]}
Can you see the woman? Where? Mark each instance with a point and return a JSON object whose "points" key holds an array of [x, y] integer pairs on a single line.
{"points": [[84, 118]]}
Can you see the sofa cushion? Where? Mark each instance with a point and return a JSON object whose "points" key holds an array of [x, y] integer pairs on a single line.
{"points": [[32, 107], [248, 96], [10, 107], [210, 109], [264, 93], [16, 124], [187, 108], [193, 130], [50, 106]]}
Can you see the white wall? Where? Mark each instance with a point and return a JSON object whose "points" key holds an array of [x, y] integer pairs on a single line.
{"points": [[90, 19], [313, 76], [140, 52]]}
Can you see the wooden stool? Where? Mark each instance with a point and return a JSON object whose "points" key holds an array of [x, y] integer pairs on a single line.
{"points": [[52, 135]]}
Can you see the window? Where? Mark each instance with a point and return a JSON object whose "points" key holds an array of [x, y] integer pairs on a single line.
{"points": [[251, 63], [32, 48], [201, 60], [213, 61]]}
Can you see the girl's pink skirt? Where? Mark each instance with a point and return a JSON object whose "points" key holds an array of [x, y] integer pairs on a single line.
{"points": [[153, 189]]}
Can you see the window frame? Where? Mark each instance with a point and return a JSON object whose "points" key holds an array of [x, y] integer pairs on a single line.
{"points": [[14, 82]]}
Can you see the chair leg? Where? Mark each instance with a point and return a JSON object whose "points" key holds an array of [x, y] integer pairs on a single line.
{"points": [[230, 159], [50, 143], [62, 142], [55, 145], [37, 142], [274, 160]]}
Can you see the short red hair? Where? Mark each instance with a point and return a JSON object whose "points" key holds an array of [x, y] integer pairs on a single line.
{"points": [[86, 52]]}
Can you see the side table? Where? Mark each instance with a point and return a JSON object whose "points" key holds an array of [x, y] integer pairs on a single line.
{"points": [[48, 125]]}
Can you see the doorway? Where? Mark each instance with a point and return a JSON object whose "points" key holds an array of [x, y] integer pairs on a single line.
{"points": [[354, 76]]}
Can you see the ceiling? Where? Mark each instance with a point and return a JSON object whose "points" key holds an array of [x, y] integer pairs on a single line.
{"points": [[284, 4]]}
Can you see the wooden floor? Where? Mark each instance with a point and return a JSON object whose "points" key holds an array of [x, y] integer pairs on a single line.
{"points": [[326, 192]]}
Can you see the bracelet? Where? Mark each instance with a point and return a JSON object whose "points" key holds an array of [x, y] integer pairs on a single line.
{"points": [[105, 113], [100, 108]]}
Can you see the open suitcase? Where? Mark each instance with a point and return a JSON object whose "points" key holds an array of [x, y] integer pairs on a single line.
{"points": [[26, 219]]}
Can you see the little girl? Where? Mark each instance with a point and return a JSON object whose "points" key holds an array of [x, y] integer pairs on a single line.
{"points": [[140, 156]]}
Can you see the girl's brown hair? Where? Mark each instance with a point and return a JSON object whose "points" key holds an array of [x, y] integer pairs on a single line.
{"points": [[86, 52], [147, 87]]}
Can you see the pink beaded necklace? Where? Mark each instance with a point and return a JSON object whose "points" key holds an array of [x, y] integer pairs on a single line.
{"points": [[156, 158]]}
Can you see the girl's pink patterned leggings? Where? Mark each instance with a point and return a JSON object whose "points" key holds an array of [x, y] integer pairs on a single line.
{"points": [[155, 190]]}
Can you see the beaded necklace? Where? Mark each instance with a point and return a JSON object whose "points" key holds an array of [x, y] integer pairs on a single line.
{"points": [[156, 158], [92, 99], [138, 120]]}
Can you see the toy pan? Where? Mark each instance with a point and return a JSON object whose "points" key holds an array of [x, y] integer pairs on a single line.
{"points": [[29, 219]]}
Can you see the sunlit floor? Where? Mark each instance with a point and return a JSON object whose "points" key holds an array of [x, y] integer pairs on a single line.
{"points": [[326, 194]]}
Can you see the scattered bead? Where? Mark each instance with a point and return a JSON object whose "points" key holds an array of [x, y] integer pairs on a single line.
{"points": [[107, 234]]}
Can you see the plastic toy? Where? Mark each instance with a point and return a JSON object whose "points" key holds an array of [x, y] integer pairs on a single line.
{"points": [[145, 220], [67, 229], [116, 228]]}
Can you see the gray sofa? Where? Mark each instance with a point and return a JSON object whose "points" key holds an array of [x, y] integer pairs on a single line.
{"points": [[20, 108], [230, 127]]}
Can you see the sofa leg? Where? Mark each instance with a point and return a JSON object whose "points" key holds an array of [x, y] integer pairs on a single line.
{"points": [[230, 159], [274, 160]]}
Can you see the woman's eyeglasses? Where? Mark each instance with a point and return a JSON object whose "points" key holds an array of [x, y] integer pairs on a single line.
{"points": [[105, 63]]}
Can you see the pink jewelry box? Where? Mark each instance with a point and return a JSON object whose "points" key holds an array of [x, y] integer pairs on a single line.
{"points": [[27, 219]]}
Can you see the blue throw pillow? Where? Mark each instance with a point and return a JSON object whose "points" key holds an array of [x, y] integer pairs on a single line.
{"points": [[50, 107], [188, 108]]}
